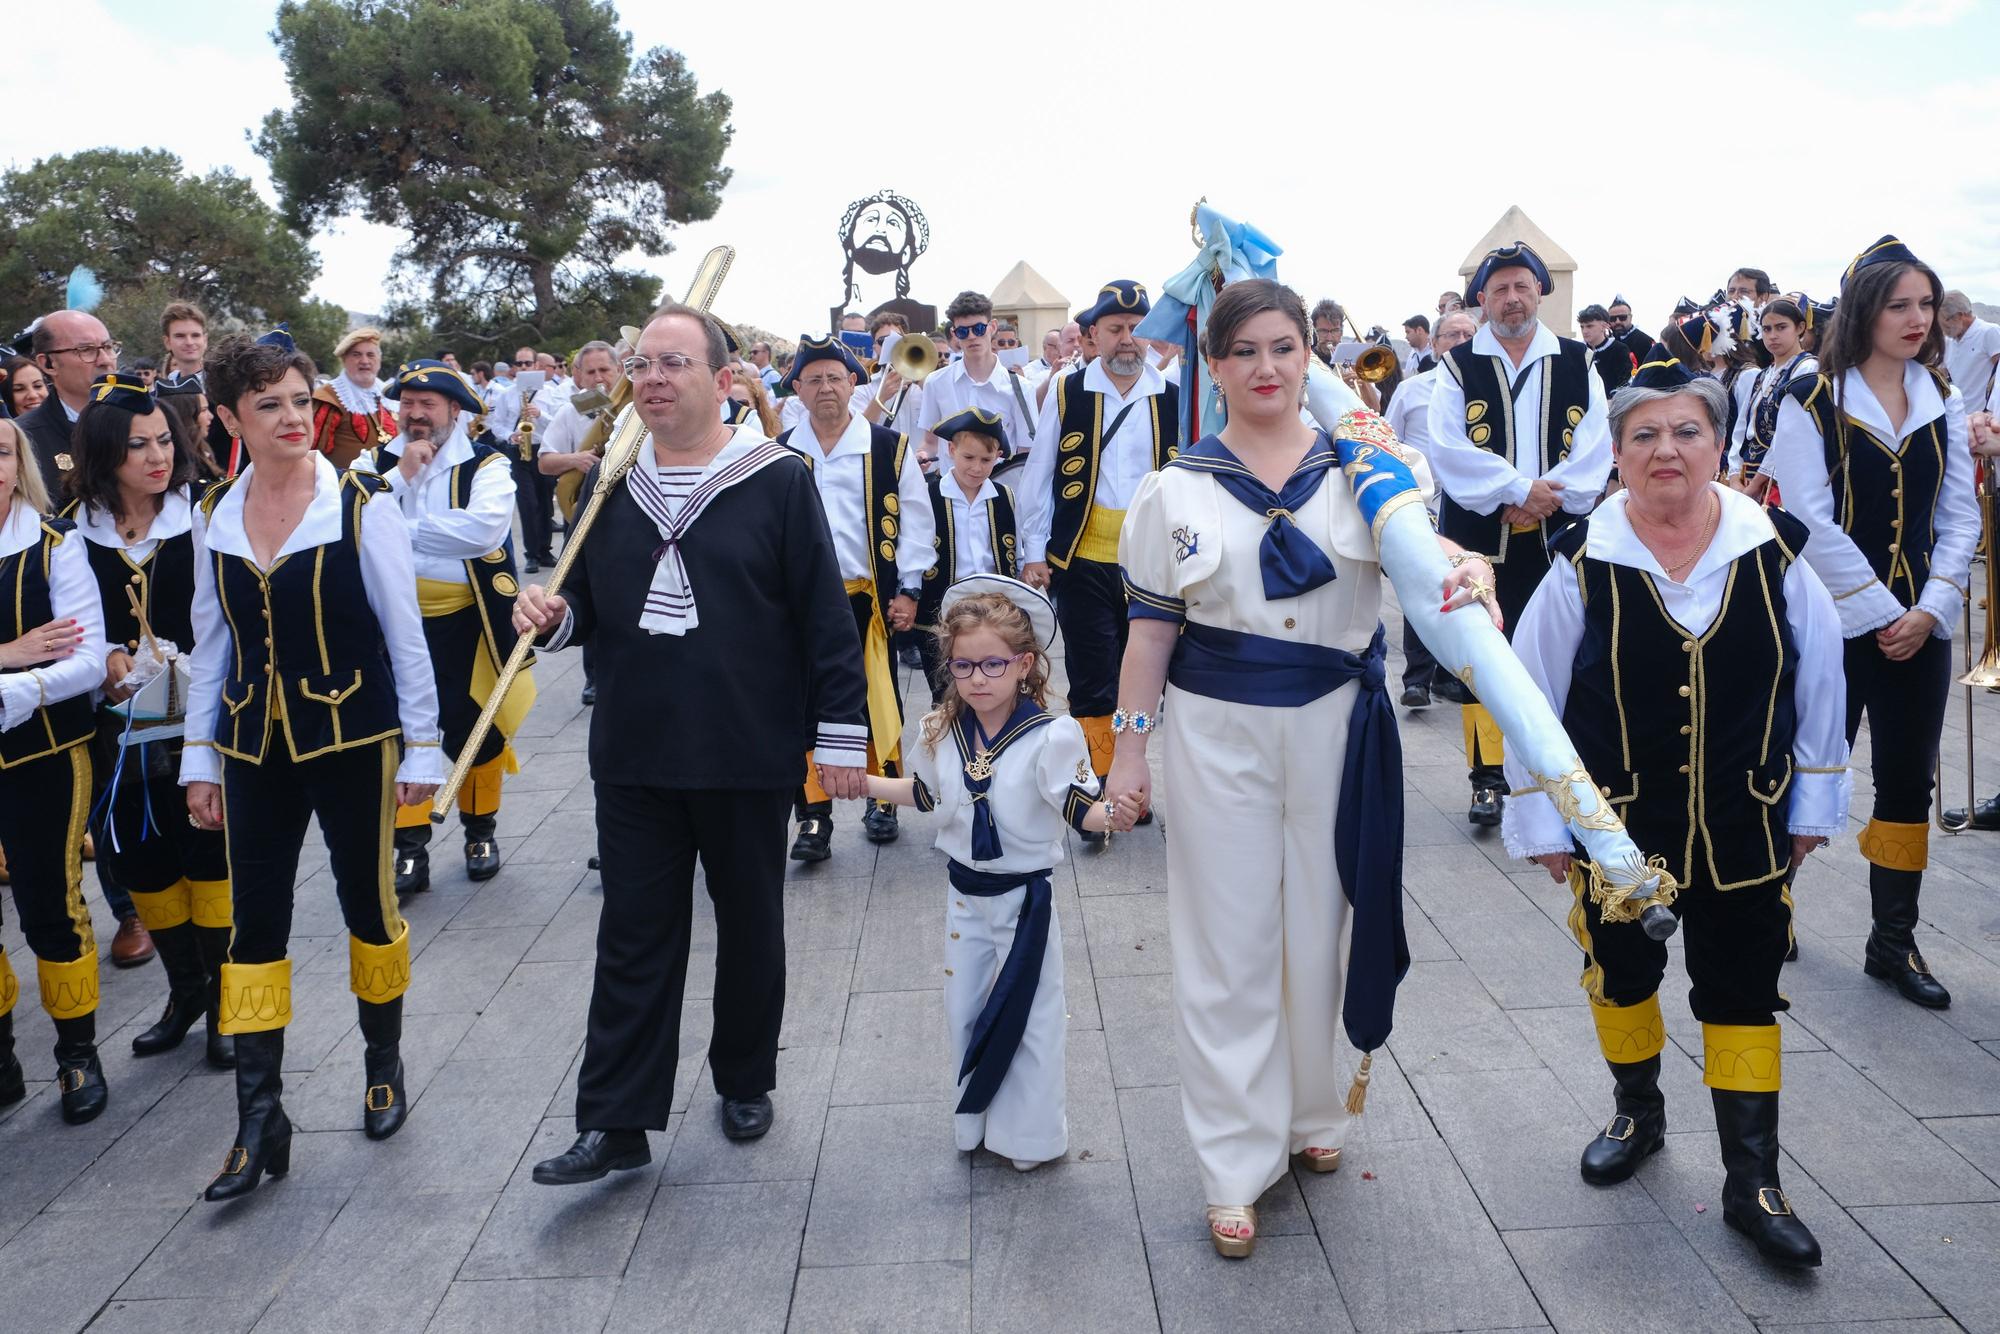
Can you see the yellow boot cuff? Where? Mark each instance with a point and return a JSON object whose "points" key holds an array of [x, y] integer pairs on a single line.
{"points": [[413, 817], [212, 903], [164, 909], [10, 986], [480, 793], [1097, 736], [379, 974], [256, 997], [69, 990], [1896, 847], [1628, 1034], [1740, 1059], [1484, 746]]}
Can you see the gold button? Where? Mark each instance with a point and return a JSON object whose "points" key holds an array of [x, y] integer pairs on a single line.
{"points": [[1686, 730], [1291, 624], [1892, 546], [1684, 769], [132, 645], [1897, 493], [1772, 785], [1687, 646], [268, 669], [954, 935], [1686, 691], [1603, 791], [1895, 523], [961, 903], [947, 972]]}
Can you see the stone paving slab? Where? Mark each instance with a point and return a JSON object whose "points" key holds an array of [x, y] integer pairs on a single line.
{"points": [[1457, 1207]]}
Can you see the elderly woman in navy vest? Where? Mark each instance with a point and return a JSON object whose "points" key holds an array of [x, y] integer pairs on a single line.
{"points": [[312, 697], [1695, 660], [1255, 607], [1872, 454]]}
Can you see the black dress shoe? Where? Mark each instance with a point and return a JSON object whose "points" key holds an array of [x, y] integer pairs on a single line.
{"points": [[413, 860], [1450, 689], [1416, 697], [595, 1154], [815, 840], [1907, 972], [81, 1080], [589, 693], [482, 847], [1985, 815], [531, 566], [182, 1013], [879, 825], [1485, 808], [746, 1118], [1637, 1131]]}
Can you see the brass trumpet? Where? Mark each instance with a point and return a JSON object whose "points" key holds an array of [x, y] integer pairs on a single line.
{"points": [[914, 358], [1376, 362]]}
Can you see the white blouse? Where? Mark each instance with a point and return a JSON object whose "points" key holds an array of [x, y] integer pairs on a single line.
{"points": [[1029, 794], [176, 516], [1551, 628], [72, 593], [390, 583]]}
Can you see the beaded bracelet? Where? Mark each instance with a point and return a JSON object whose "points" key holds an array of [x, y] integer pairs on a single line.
{"points": [[1122, 721]]}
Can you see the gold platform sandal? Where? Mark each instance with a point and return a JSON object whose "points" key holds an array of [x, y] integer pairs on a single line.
{"points": [[1241, 1219], [1321, 1160]]}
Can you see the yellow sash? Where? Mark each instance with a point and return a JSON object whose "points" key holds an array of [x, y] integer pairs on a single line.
{"points": [[440, 597], [1099, 541], [885, 714]]}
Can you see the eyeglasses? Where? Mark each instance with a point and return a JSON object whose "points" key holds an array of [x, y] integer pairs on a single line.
{"points": [[637, 368], [524, 361], [840, 380], [962, 667], [969, 330], [89, 351]]}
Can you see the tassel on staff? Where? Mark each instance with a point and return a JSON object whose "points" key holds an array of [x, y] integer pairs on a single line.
{"points": [[1357, 1094]]}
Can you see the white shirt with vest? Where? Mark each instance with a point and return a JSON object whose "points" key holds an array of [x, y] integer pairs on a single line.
{"points": [[1482, 481], [842, 477], [972, 533], [1124, 461], [443, 537], [1970, 360], [72, 592]]}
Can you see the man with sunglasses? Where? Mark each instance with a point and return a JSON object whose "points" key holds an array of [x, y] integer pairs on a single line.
{"points": [[975, 380], [1637, 341]]}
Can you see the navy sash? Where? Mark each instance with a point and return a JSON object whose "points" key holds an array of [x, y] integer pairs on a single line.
{"points": [[1243, 668], [1292, 563], [996, 1034]]}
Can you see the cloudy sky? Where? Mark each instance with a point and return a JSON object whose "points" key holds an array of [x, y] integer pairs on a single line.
{"points": [[1662, 146]]}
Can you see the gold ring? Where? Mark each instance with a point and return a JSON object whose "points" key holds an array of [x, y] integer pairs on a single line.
{"points": [[1480, 588]]}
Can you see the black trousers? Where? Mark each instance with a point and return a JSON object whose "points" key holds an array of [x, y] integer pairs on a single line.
{"points": [[454, 641], [266, 808], [151, 853], [1905, 704], [1090, 608], [649, 839], [1419, 666], [1735, 947], [43, 806], [533, 495], [932, 653]]}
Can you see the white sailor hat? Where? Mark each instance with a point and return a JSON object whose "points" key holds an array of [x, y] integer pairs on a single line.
{"points": [[1041, 612]]}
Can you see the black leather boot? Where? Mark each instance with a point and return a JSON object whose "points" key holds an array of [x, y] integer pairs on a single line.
{"points": [[482, 847], [1637, 1130], [383, 1106], [13, 1080], [1489, 791], [815, 840], [263, 1131], [214, 942], [1752, 1201], [595, 1154], [187, 990], [78, 1074], [1892, 946], [413, 859]]}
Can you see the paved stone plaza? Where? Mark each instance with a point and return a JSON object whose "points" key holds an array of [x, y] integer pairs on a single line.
{"points": [[1458, 1208]]}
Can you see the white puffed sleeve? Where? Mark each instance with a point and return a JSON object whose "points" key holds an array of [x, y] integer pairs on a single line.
{"points": [[1822, 784], [1063, 774]]}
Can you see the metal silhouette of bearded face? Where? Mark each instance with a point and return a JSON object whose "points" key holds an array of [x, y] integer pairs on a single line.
{"points": [[882, 234]]}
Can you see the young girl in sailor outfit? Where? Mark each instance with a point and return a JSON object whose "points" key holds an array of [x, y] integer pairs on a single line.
{"points": [[1006, 776]]}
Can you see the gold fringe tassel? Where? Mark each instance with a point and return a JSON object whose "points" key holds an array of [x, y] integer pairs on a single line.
{"points": [[1357, 1095]]}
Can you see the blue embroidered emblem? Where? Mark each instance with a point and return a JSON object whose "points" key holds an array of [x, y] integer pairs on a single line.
{"points": [[1186, 543]]}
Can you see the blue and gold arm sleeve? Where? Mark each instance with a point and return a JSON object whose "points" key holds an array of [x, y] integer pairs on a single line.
{"points": [[1077, 806], [1141, 603]]}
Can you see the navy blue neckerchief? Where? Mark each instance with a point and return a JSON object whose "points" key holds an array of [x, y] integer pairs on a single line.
{"points": [[996, 1033], [1368, 823], [1292, 563], [972, 742]]}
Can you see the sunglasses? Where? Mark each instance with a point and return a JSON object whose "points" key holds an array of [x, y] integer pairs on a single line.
{"points": [[962, 667], [969, 330]]}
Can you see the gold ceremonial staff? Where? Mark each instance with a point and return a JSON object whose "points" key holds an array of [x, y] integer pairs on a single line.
{"points": [[627, 438]]}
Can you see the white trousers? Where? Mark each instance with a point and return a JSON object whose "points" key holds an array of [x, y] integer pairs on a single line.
{"points": [[1260, 932], [1027, 1117]]}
